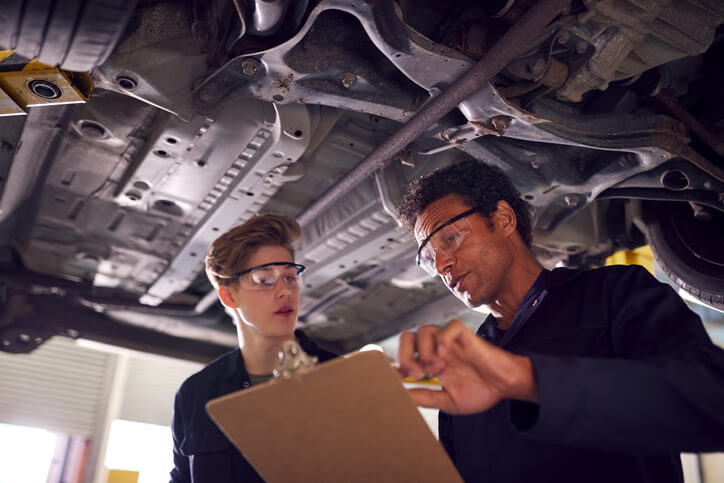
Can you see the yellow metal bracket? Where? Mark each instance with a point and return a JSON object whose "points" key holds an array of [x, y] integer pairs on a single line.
{"points": [[39, 85]]}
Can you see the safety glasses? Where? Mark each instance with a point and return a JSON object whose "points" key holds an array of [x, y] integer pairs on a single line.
{"points": [[444, 239], [265, 277]]}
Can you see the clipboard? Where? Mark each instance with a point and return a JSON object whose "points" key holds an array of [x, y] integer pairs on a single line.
{"points": [[348, 419]]}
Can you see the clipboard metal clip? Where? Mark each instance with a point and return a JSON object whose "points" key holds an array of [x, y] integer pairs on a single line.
{"points": [[293, 359]]}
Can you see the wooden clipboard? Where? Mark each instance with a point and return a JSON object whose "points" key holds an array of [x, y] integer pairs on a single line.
{"points": [[346, 420]]}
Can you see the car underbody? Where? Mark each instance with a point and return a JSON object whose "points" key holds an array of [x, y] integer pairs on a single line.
{"points": [[610, 122]]}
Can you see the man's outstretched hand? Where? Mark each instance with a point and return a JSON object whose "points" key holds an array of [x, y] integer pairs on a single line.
{"points": [[475, 375]]}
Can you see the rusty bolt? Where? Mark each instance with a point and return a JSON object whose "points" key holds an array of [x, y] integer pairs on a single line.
{"points": [[571, 200], [500, 123], [348, 79], [205, 95], [249, 66], [536, 66], [406, 158]]}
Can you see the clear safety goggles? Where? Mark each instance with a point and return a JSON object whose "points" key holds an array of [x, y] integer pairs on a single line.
{"points": [[444, 240], [265, 277]]}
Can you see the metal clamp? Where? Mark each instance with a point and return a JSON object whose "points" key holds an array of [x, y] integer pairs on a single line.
{"points": [[293, 359]]}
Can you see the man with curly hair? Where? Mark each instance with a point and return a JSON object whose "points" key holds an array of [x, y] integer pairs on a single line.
{"points": [[576, 375]]}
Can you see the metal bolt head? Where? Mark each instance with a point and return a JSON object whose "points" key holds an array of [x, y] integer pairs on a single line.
{"points": [[348, 79], [581, 47], [536, 66], [205, 95], [571, 200], [249, 66], [500, 123]]}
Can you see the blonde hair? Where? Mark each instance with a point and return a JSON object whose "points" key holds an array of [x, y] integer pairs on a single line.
{"points": [[229, 253]]}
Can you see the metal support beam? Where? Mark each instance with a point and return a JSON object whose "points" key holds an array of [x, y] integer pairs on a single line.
{"points": [[505, 50]]}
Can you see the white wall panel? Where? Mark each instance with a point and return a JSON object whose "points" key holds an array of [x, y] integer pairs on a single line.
{"points": [[150, 388], [59, 387], [712, 467]]}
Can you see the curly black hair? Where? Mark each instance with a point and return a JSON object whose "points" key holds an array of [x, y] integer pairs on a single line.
{"points": [[477, 183]]}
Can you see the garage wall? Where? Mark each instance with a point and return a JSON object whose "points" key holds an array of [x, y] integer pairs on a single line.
{"points": [[151, 384], [712, 467], [64, 387], [79, 390], [59, 387]]}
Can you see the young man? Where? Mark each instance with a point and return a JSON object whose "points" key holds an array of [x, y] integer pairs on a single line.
{"points": [[252, 268], [598, 375]]}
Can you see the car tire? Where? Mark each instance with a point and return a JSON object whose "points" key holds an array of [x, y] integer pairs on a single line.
{"points": [[76, 35], [689, 250]]}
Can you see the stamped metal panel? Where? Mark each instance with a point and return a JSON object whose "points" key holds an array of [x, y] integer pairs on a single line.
{"points": [[315, 67], [254, 175], [10, 130]]}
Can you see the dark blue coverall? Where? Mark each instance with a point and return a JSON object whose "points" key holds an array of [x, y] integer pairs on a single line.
{"points": [[627, 376]]}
